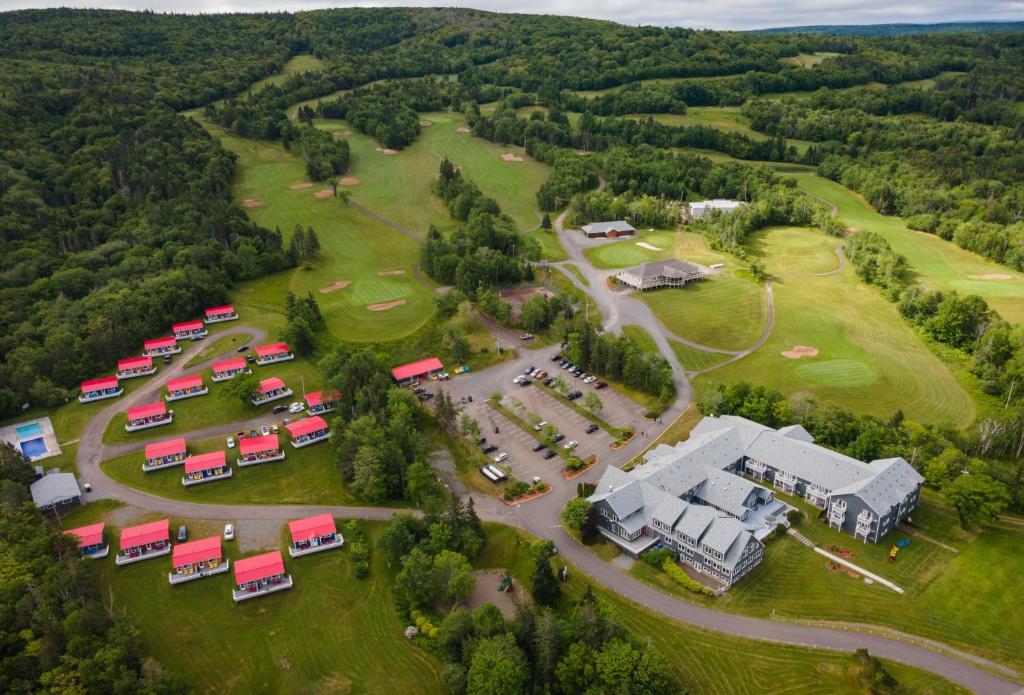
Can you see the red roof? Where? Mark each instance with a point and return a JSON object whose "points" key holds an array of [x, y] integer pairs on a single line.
{"points": [[134, 362], [149, 410], [306, 426], [272, 349], [271, 384], [135, 536], [317, 398], [196, 551], [319, 525], [187, 326], [259, 567], [218, 310], [229, 364], [169, 341], [250, 445], [204, 462], [167, 447], [405, 371], [107, 382], [185, 382], [88, 535]]}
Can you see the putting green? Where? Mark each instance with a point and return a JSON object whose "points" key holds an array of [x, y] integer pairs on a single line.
{"points": [[840, 372], [669, 244]]}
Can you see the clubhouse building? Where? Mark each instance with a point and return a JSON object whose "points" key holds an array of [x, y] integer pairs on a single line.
{"points": [[416, 371], [218, 314], [188, 330], [696, 210], [308, 431], [144, 541], [275, 352], [658, 274], [186, 387], [135, 366], [313, 534], [90, 540], [158, 347], [165, 454], [609, 230], [195, 559], [320, 402], [203, 468], [263, 449], [260, 575], [228, 369], [98, 389], [271, 389], [150, 415]]}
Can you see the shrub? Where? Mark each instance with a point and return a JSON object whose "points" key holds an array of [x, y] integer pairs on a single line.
{"points": [[573, 463], [657, 557], [794, 516], [541, 487], [516, 488], [360, 559], [676, 574], [427, 628]]}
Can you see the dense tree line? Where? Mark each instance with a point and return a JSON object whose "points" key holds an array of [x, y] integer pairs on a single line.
{"points": [[875, 261], [325, 154], [639, 209], [621, 359]]}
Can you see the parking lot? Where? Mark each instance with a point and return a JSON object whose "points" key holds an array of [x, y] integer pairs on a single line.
{"points": [[522, 462]]}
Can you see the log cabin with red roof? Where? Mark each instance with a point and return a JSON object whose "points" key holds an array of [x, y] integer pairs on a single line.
{"points": [[158, 347], [308, 431], [186, 330], [417, 371], [319, 402], [98, 389], [150, 415], [196, 559], [144, 541], [260, 575], [313, 534], [217, 314], [228, 369], [274, 352], [272, 389], [203, 468], [186, 387], [262, 449], [132, 367], [90, 540], [165, 454]]}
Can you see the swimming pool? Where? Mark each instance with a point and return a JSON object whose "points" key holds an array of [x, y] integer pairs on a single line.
{"points": [[29, 430], [34, 447]]}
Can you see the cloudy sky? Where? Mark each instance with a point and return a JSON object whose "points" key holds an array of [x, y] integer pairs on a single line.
{"points": [[721, 14]]}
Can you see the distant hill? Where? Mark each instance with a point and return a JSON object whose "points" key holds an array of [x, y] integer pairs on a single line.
{"points": [[900, 29]]}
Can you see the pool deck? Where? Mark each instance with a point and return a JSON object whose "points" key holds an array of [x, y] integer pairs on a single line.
{"points": [[46, 433]]}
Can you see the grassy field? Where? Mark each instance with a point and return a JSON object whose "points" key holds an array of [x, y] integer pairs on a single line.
{"points": [[216, 347], [670, 244], [693, 359], [727, 118], [550, 247], [869, 360], [938, 264], [300, 63], [808, 60], [641, 337]]}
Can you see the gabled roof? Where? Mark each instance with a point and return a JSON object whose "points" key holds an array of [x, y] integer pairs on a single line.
{"points": [[722, 533], [250, 445], [306, 426], [271, 384], [133, 362], [271, 349], [405, 371], [168, 341], [671, 268], [319, 398], [726, 491], [149, 410], [167, 447], [218, 310], [107, 382], [134, 536], [187, 326], [894, 481], [259, 567], [796, 432], [229, 364], [185, 382], [196, 551], [605, 227], [204, 462], [696, 520], [88, 535], [319, 525], [54, 488], [823, 467], [669, 511]]}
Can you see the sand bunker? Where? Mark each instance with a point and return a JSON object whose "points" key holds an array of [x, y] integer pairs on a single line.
{"points": [[349, 181], [424, 123], [645, 245], [339, 285], [300, 186], [582, 153], [463, 129], [991, 276], [347, 133], [386, 305], [385, 150], [252, 202], [509, 157], [324, 193], [799, 351], [396, 271]]}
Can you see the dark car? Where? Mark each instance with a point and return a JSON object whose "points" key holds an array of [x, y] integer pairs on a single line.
{"points": [[488, 448], [528, 370], [250, 357], [556, 358], [182, 533], [525, 382], [600, 385], [243, 348], [549, 454], [481, 440], [558, 437], [167, 359], [280, 408], [550, 380], [539, 446], [591, 428]]}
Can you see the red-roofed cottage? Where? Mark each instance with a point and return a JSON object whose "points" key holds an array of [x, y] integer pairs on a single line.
{"points": [[271, 389], [197, 559], [253, 450], [186, 387], [150, 415], [165, 454], [313, 534], [161, 346], [308, 431], [144, 541], [229, 368], [90, 540], [216, 314], [135, 366], [322, 402], [259, 575], [202, 468], [416, 371], [275, 352], [188, 330], [98, 389]]}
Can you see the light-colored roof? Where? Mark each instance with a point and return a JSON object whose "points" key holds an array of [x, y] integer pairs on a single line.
{"points": [[895, 480], [671, 268], [696, 520], [815, 464], [669, 511], [722, 533], [796, 432], [726, 491], [54, 488], [605, 227], [716, 204]]}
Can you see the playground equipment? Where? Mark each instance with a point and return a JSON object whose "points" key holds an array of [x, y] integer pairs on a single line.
{"points": [[897, 548], [506, 583]]}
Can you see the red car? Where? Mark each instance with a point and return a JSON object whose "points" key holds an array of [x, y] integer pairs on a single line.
{"points": [[600, 384]]}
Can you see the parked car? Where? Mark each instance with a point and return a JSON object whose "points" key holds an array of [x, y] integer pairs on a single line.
{"points": [[549, 454], [253, 433], [542, 373], [550, 380], [182, 533], [556, 358], [264, 430], [275, 429], [197, 338], [600, 385], [229, 532], [539, 446], [590, 380], [540, 425], [535, 373], [591, 428], [167, 359], [250, 357], [481, 440], [571, 444], [231, 442], [528, 370], [501, 457], [488, 448], [558, 437], [563, 364], [296, 408], [87, 487], [577, 371], [280, 408], [518, 378], [526, 336], [525, 382], [243, 348]]}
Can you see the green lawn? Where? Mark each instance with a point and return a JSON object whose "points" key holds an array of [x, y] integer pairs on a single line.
{"points": [[640, 337], [693, 359], [727, 118], [329, 633], [669, 244], [216, 347], [571, 267], [938, 264], [869, 360], [794, 251], [550, 247]]}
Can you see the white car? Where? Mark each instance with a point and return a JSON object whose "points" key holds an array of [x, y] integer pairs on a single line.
{"points": [[590, 380], [571, 444], [501, 457], [540, 425], [229, 532], [296, 408], [264, 430], [231, 442], [519, 379]]}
